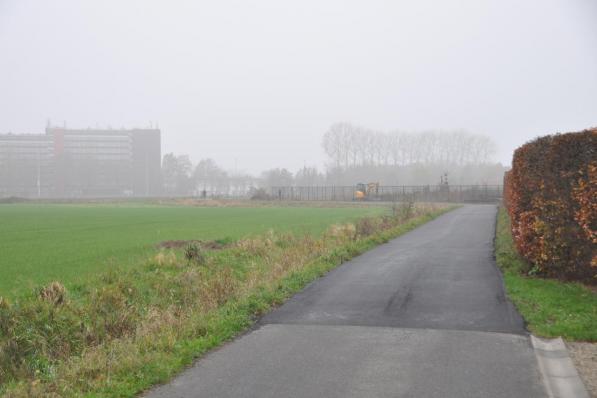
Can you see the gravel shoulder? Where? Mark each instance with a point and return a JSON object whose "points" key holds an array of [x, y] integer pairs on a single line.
{"points": [[584, 357]]}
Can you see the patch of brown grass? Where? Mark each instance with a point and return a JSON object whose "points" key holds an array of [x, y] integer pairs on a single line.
{"points": [[54, 293], [165, 259], [341, 232]]}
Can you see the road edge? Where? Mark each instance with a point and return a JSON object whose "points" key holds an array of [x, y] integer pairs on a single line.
{"points": [[560, 377]]}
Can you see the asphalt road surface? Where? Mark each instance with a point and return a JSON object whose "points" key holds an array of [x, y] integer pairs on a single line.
{"points": [[424, 315]]}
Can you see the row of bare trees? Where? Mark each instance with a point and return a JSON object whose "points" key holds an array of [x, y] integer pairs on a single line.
{"points": [[355, 154], [305, 177], [349, 146], [206, 178]]}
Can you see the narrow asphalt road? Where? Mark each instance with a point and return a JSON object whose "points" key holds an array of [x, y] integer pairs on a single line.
{"points": [[424, 315]]}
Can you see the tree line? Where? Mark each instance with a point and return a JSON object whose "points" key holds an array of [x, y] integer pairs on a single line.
{"points": [[354, 154], [206, 178], [349, 146]]}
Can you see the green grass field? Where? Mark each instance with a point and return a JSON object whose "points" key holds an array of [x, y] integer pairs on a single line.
{"points": [[43, 243]]}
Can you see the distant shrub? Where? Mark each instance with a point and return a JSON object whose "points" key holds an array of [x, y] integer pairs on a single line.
{"points": [[260, 194], [551, 196], [195, 254], [13, 199]]}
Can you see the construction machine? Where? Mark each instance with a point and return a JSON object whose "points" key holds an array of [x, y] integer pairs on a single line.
{"points": [[368, 191]]}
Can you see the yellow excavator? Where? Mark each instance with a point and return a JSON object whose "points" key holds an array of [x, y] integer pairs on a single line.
{"points": [[367, 191]]}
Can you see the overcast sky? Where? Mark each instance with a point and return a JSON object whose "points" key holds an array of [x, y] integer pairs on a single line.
{"points": [[257, 83]]}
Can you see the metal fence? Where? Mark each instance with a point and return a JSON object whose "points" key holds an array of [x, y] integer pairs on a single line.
{"points": [[403, 193]]}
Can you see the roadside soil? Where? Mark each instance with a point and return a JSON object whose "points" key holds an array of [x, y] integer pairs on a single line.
{"points": [[584, 356]]}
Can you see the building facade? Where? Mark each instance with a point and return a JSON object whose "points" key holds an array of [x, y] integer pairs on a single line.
{"points": [[26, 165], [67, 163]]}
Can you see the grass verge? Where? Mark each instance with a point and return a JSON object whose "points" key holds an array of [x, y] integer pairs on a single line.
{"points": [[134, 328], [550, 307]]}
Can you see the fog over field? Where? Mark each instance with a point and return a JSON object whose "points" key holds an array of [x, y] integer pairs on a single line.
{"points": [[255, 85]]}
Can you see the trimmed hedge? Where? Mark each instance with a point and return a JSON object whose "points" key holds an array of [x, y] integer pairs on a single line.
{"points": [[551, 195]]}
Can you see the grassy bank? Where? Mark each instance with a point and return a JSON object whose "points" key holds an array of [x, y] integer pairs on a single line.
{"points": [[132, 328], [550, 307]]}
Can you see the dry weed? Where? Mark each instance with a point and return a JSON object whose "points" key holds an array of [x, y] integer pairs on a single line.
{"points": [[54, 293], [255, 246], [4, 304], [111, 314], [218, 289], [366, 227], [342, 232], [166, 258], [194, 254]]}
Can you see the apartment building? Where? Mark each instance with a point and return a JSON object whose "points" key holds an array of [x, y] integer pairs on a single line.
{"points": [[67, 163]]}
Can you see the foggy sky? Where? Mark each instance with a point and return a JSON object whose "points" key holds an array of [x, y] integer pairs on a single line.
{"points": [[257, 83]]}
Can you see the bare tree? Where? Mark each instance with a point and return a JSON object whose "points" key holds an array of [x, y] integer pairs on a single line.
{"points": [[308, 176], [176, 172], [209, 177], [277, 178], [360, 152]]}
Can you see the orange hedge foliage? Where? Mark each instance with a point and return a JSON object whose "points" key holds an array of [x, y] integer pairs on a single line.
{"points": [[551, 195]]}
